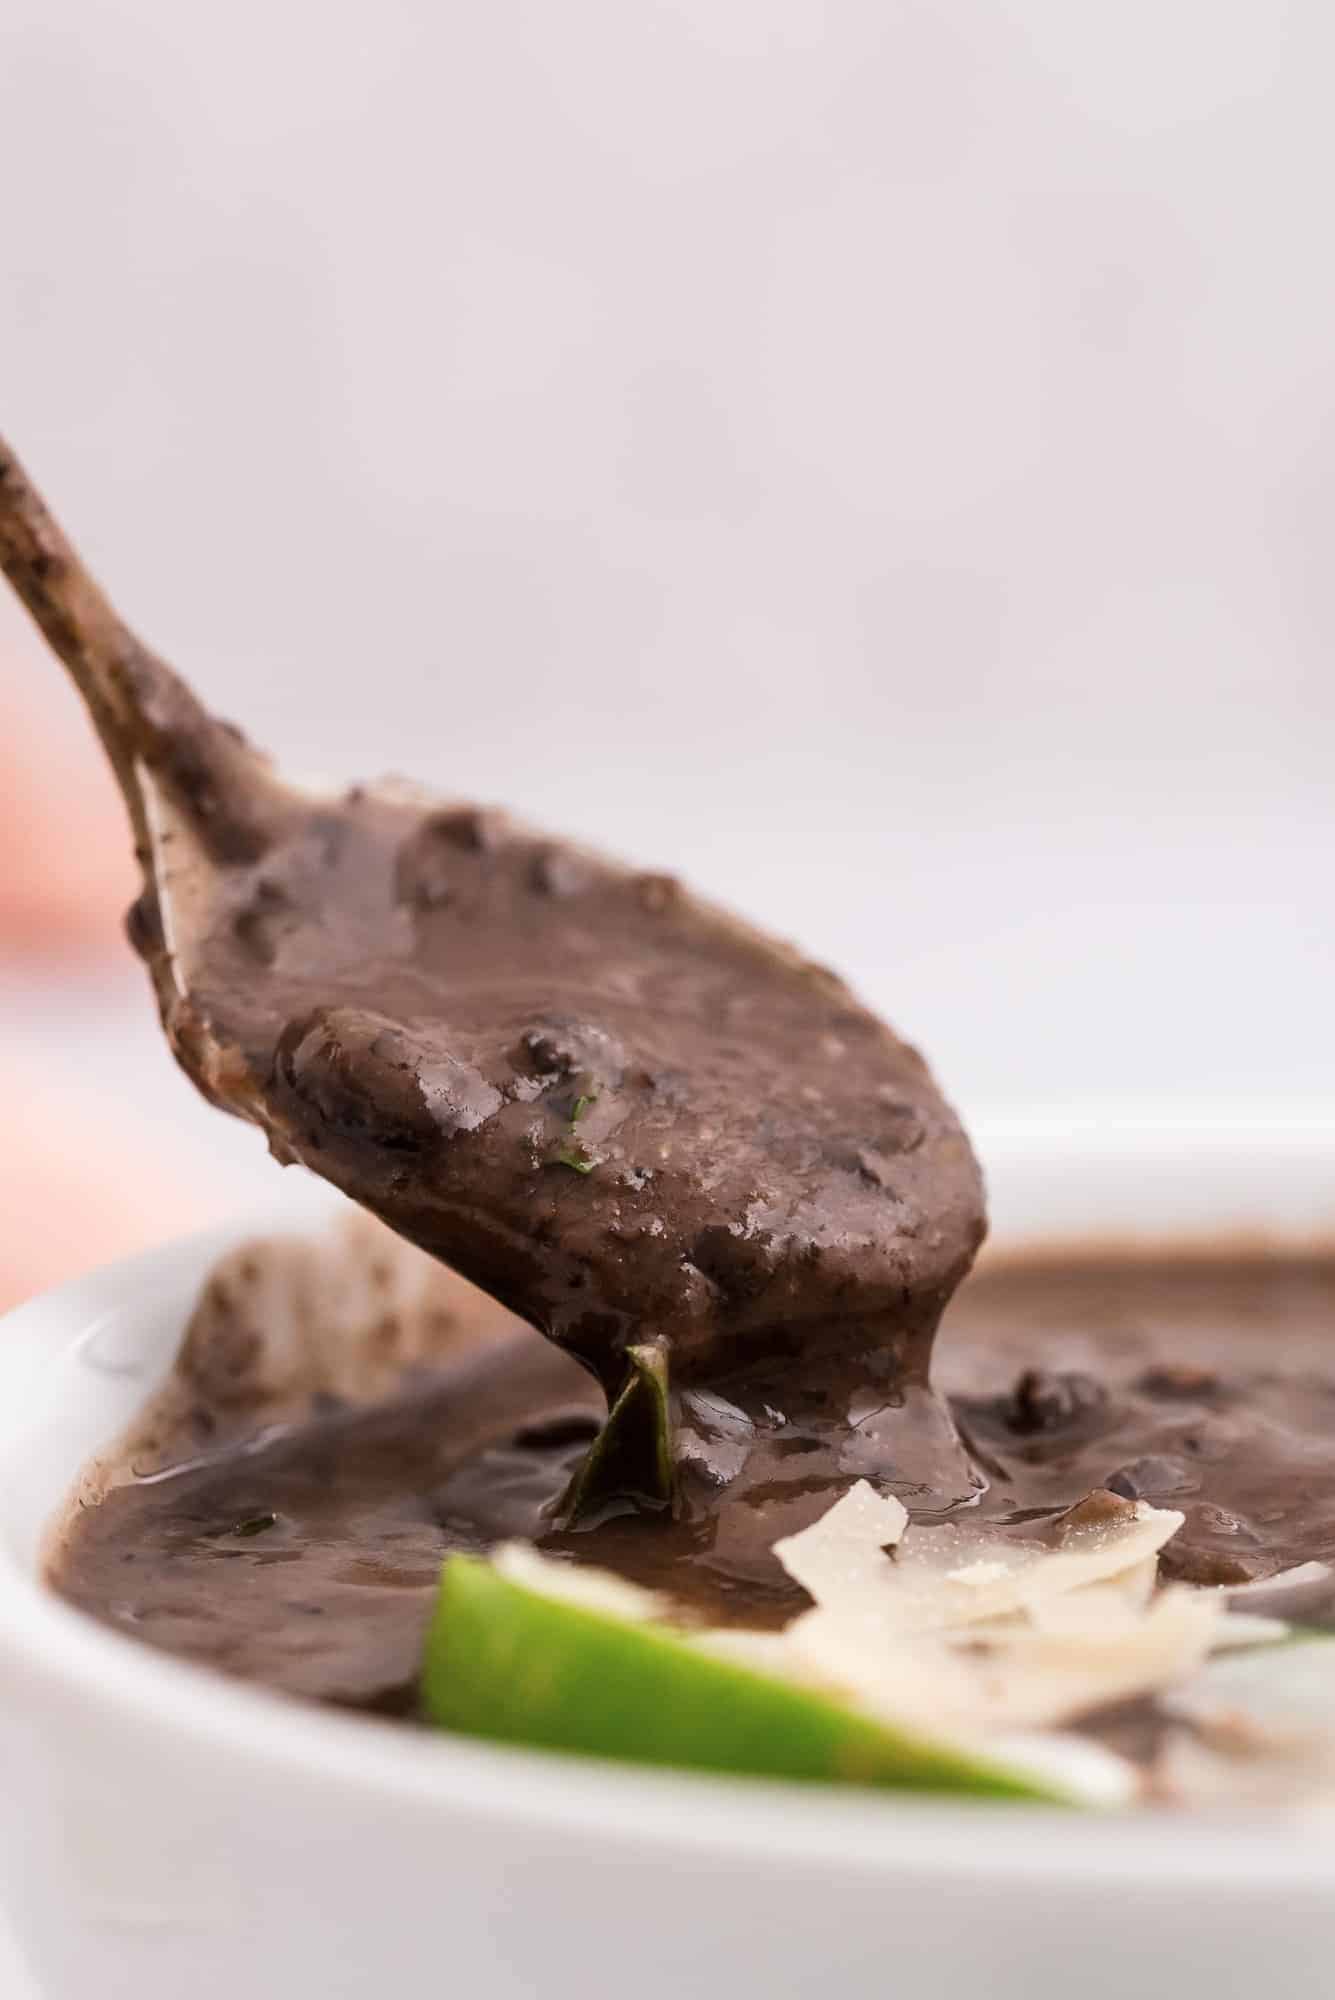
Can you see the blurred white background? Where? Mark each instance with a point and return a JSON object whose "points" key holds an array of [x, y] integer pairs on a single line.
{"points": [[877, 458]]}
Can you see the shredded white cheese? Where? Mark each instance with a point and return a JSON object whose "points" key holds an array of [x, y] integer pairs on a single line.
{"points": [[959, 1574], [995, 1642], [844, 1554]]}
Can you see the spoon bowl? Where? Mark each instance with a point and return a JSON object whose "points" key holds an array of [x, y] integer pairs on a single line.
{"points": [[627, 1115]]}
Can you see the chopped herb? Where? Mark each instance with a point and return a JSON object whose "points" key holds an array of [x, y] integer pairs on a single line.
{"points": [[631, 1459], [258, 1524], [581, 1106], [576, 1157]]}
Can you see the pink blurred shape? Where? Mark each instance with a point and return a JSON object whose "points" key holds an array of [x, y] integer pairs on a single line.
{"points": [[68, 869]]}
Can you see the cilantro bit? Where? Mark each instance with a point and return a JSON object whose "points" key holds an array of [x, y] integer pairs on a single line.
{"points": [[257, 1524]]}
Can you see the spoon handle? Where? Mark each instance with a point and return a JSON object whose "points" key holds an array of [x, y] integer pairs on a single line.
{"points": [[146, 716]]}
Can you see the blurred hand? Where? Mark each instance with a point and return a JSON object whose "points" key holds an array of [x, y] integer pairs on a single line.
{"points": [[77, 1185], [69, 870]]}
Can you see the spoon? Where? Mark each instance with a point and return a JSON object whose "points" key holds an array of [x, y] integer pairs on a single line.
{"points": [[660, 1136]]}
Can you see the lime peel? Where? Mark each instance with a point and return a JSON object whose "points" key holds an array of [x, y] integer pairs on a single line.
{"points": [[516, 1665]]}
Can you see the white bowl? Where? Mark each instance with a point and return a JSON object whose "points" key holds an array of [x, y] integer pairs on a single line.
{"points": [[170, 1836]]}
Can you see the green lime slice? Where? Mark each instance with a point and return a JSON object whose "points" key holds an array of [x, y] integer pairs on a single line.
{"points": [[507, 1663]]}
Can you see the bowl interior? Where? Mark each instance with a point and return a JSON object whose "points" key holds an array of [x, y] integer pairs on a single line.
{"points": [[77, 1365]]}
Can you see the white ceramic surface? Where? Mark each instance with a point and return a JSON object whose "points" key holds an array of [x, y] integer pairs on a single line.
{"points": [[168, 1835]]}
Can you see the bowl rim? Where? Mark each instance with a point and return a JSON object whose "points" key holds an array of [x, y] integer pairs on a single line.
{"points": [[51, 1650]]}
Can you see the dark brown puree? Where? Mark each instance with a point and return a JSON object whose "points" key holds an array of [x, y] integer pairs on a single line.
{"points": [[630, 1119], [1204, 1384]]}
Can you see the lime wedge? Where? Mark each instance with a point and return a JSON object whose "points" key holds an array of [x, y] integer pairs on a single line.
{"points": [[510, 1664]]}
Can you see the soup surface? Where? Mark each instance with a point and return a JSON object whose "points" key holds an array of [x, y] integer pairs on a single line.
{"points": [[305, 1554]]}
